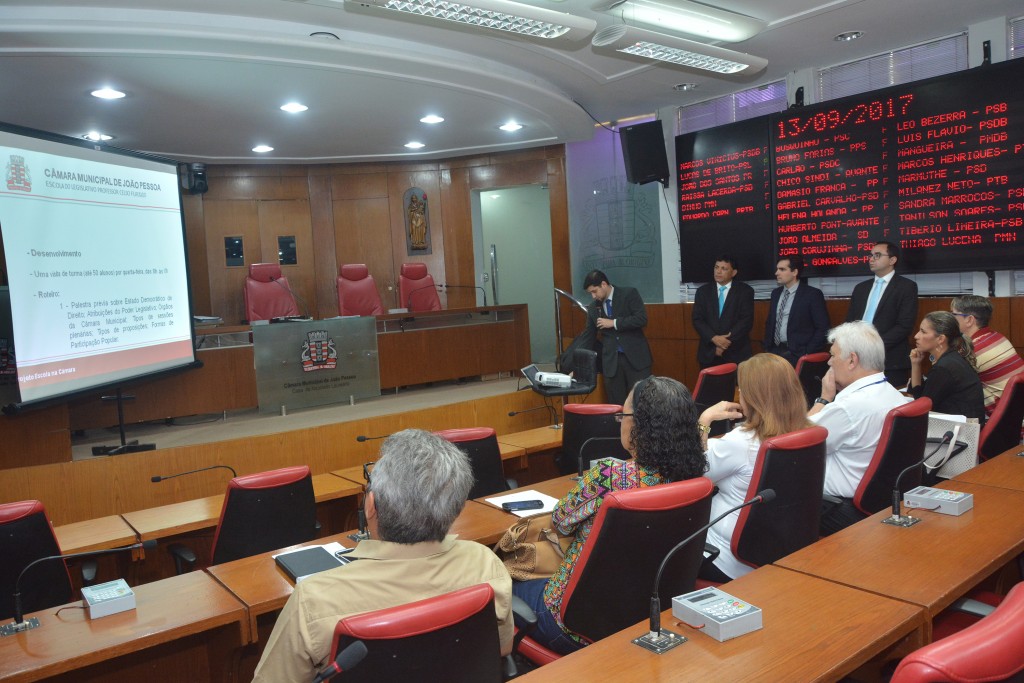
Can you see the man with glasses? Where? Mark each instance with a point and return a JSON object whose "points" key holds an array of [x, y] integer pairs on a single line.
{"points": [[997, 360], [889, 302]]}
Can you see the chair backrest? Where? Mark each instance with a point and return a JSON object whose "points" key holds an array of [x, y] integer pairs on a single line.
{"points": [[416, 288], [610, 587], [357, 292], [582, 421], [714, 384], [1002, 431], [447, 638], [267, 294], [26, 535], [481, 445], [901, 444], [988, 650], [265, 511], [585, 369], [793, 465], [810, 368]]}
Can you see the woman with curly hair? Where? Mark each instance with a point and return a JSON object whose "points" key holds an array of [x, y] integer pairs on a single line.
{"points": [[659, 430], [952, 383]]}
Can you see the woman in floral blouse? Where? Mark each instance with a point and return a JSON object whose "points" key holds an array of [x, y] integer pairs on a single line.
{"points": [[659, 430]]}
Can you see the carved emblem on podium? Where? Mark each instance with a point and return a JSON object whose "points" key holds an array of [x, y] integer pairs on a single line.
{"points": [[318, 352]]}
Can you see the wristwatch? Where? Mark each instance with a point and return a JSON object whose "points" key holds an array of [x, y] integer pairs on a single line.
{"points": [[822, 401]]}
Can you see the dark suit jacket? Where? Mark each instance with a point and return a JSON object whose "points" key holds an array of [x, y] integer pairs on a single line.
{"points": [[630, 319], [895, 316], [808, 323], [737, 317]]}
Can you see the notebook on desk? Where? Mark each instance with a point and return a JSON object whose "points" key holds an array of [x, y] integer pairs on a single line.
{"points": [[302, 563]]}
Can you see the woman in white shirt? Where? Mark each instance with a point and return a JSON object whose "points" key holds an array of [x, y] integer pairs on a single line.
{"points": [[771, 403]]}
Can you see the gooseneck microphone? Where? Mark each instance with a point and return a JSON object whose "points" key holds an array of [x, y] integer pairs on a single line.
{"points": [[554, 413], [298, 299], [19, 624], [361, 438], [447, 287], [654, 637], [897, 518], [408, 302], [160, 478], [583, 447], [348, 658]]}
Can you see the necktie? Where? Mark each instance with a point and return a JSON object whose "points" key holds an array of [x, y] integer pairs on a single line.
{"points": [[876, 294], [721, 299], [608, 308], [778, 316]]}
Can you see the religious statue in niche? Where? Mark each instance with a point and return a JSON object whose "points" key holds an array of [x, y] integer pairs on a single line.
{"points": [[417, 221]]}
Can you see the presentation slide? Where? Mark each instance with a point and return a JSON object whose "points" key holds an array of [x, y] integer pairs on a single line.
{"points": [[95, 253]]}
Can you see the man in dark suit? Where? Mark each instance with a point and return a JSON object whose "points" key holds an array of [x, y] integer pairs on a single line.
{"points": [[723, 313], [618, 315], [797, 318], [889, 302]]}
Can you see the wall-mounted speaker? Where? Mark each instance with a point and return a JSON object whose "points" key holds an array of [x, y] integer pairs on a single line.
{"points": [[193, 178], [643, 151]]}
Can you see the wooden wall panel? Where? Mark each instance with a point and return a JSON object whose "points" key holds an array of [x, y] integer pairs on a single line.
{"points": [[34, 437], [429, 181], [230, 219], [362, 229], [290, 219], [325, 257], [359, 186], [198, 257]]}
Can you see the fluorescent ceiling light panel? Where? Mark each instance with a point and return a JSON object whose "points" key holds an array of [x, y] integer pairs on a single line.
{"points": [[675, 50], [499, 15], [689, 17]]}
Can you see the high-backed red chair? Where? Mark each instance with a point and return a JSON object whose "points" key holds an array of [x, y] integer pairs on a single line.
{"points": [[714, 384], [584, 421], [610, 586], [481, 445], [267, 294], [416, 288], [810, 368], [26, 534], [990, 650], [261, 512], [450, 638], [900, 445], [1002, 431], [357, 292]]}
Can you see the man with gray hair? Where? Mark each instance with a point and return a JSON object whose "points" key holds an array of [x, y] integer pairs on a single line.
{"points": [[417, 489], [855, 398]]}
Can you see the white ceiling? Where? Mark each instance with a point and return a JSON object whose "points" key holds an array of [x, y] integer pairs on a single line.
{"points": [[205, 80]]}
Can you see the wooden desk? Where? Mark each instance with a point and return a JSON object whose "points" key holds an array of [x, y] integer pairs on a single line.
{"points": [[94, 534], [1006, 470], [355, 473], [557, 488], [929, 564], [327, 487], [534, 440], [190, 616], [482, 522], [814, 630]]}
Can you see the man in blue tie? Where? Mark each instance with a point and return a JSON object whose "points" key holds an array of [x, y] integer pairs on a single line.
{"points": [[723, 313], [889, 302]]}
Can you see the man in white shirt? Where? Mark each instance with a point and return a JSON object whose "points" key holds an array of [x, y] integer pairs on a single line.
{"points": [[855, 398]]}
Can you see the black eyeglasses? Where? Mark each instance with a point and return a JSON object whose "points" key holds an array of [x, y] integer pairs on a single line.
{"points": [[366, 470], [619, 416]]}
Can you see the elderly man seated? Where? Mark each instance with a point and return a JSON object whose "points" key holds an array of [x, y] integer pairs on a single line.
{"points": [[418, 487]]}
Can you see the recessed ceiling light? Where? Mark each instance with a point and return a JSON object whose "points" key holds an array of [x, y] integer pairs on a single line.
{"points": [[108, 94], [684, 87], [293, 107], [96, 136], [262, 148], [510, 127], [848, 36], [432, 118], [414, 145]]}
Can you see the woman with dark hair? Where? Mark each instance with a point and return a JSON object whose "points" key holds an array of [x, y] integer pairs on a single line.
{"points": [[659, 430], [772, 403], [952, 383]]}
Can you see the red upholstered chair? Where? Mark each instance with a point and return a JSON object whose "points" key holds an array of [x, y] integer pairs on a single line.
{"points": [[261, 512], [990, 650], [416, 288], [610, 587], [810, 368], [900, 445], [357, 292], [267, 294], [1002, 431], [714, 384], [451, 638], [583, 421], [26, 535], [481, 445]]}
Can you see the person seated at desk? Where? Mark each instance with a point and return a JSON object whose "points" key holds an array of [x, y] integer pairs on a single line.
{"points": [[659, 430], [952, 383], [418, 488], [773, 403], [997, 360]]}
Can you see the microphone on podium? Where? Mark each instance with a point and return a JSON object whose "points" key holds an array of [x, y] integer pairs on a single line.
{"points": [[659, 640], [554, 414], [296, 297], [408, 303], [19, 624], [361, 438], [159, 478], [447, 287], [346, 659], [897, 518]]}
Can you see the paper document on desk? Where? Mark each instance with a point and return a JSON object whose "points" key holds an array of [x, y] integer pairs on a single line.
{"points": [[549, 502]]}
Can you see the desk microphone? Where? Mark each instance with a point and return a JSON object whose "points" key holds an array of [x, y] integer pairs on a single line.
{"points": [[583, 447], [363, 532], [654, 638], [554, 414], [361, 438], [408, 302], [19, 624], [898, 519], [296, 297], [484, 291], [159, 478], [349, 657]]}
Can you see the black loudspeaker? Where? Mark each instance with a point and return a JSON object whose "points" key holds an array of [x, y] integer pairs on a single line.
{"points": [[193, 178], [643, 151]]}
